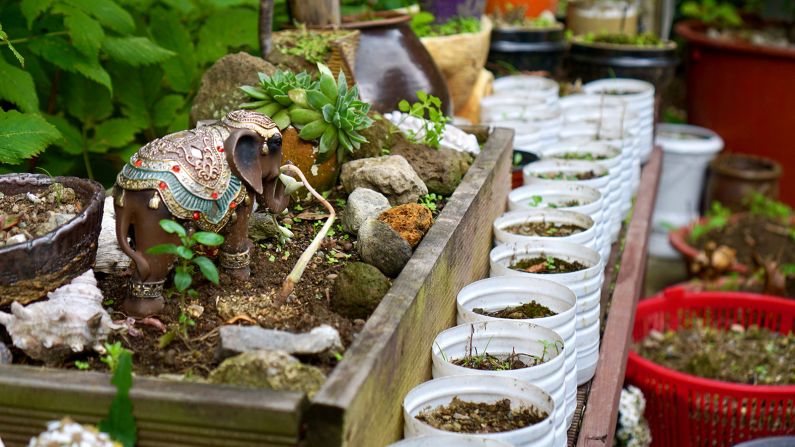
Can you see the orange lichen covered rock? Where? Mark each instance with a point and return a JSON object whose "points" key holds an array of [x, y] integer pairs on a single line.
{"points": [[411, 221]]}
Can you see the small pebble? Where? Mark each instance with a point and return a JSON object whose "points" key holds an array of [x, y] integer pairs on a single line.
{"points": [[18, 239], [33, 198], [331, 276]]}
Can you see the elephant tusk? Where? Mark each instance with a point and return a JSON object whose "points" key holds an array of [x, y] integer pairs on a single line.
{"points": [[291, 185], [298, 270]]}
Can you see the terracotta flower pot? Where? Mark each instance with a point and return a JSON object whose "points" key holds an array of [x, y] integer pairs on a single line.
{"points": [[744, 93], [30, 269], [304, 155], [734, 176]]}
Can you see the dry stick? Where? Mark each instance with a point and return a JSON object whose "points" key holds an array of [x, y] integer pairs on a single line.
{"points": [[295, 275]]}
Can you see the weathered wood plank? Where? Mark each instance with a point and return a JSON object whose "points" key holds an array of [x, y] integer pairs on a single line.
{"points": [[360, 405], [601, 410], [167, 412]]}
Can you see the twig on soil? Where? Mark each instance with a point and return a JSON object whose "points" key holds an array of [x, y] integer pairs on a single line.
{"points": [[295, 275]]}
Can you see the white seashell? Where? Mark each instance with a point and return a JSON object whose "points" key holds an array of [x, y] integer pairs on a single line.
{"points": [[110, 258], [453, 137], [69, 320]]}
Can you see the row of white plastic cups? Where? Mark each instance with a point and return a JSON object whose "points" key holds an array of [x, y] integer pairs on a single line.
{"points": [[586, 285], [556, 377]]}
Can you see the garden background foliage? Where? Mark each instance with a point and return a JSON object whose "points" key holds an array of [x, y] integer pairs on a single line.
{"points": [[88, 82]]}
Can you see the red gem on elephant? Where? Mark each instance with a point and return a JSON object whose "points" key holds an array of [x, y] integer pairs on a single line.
{"points": [[163, 185], [175, 168], [196, 215], [214, 195], [138, 163]]}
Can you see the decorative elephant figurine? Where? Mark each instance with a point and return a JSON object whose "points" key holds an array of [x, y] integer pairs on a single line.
{"points": [[205, 178]]}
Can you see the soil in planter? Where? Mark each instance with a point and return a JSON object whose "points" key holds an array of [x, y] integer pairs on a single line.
{"points": [[545, 229], [547, 264], [586, 175], [520, 312], [29, 215], [753, 236], [479, 417], [491, 362], [244, 303], [750, 355], [588, 156]]}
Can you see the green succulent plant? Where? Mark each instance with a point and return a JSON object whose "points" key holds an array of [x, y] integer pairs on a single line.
{"points": [[271, 95], [331, 112]]}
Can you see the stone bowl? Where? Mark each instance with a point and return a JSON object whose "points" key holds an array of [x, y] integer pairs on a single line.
{"points": [[30, 269]]}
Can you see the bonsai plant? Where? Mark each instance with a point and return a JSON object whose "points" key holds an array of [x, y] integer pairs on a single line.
{"points": [[526, 44], [727, 51]]}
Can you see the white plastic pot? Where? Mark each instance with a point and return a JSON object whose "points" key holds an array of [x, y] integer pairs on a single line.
{"points": [[687, 151], [533, 171], [449, 441], [584, 283], [490, 389], [527, 85], [494, 109], [493, 294], [501, 338], [587, 237]]}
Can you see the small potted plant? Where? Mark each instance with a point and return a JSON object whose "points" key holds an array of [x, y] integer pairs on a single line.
{"points": [[320, 120], [596, 16], [528, 225], [526, 44]]}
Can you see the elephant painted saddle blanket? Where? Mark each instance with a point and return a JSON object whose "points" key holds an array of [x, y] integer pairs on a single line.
{"points": [[190, 173]]}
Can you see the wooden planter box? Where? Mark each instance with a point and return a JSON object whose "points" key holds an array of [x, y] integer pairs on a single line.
{"points": [[360, 403]]}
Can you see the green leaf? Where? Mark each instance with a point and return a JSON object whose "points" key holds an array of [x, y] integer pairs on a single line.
{"points": [[171, 227], [120, 423], [163, 249], [182, 280], [72, 142], [59, 52], [324, 71], [304, 116], [316, 99], [298, 96], [4, 39], [227, 29], [208, 238], [108, 13], [31, 9], [404, 106], [86, 33], [184, 252], [166, 108], [17, 87], [84, 99], [254, 92], [329, 141], [115, 132], [24, 135], [182, 71], [282, 119], [313, 130], [207, 268], [328, 87], [135, 51]]}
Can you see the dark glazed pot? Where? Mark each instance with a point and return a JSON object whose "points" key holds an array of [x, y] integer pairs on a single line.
{"points": [[540, 49], [733, 176], [592, 61], [31, 269], [392, 64]]}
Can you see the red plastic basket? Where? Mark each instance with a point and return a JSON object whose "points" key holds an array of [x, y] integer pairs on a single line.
{"points": [[685, 410]]}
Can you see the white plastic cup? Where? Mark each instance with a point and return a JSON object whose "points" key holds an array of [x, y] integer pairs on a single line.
{"points": [[527, 85], [586, 237], [492, 294], [489, 389], [449, 441], [501, 338]]}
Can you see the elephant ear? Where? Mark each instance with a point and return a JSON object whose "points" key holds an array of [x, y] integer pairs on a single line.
{"points": [[243, 149]]}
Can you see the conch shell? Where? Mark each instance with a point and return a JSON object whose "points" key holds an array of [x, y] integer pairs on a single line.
{"points": [[69, 321]]}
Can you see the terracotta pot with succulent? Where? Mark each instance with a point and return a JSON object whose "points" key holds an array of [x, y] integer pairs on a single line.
{"points": [[320, 120], [526, 44], [753, 59]]}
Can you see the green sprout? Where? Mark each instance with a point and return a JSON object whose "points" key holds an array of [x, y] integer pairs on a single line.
{"points": [[433, 125]]}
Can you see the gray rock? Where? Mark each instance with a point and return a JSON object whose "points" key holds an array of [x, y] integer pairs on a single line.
{"points": [[276, 370], [5, 355], [362, 203], [235, 339], [17, 239], [358, 290], [219, 92], [381, 246], [391, 175], [440, 169]]}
